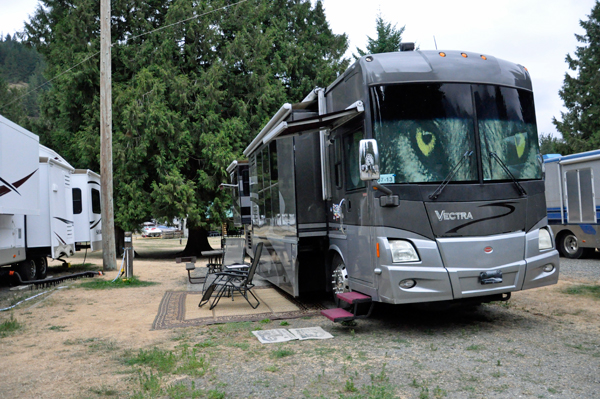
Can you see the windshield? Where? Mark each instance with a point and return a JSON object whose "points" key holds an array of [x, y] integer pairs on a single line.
{"points": [[423, 131], [506, 122]]}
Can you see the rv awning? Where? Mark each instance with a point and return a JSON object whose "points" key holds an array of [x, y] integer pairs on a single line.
{"points": [[314, 123]]}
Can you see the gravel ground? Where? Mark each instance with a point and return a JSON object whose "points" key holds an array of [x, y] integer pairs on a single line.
{"points": [[585, 269], [541, 344]]}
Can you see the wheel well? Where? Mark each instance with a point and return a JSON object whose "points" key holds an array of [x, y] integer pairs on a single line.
{"points": [[561, 234]]}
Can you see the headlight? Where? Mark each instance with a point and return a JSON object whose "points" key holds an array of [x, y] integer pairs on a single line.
{"points": [[544, 239], [403, 251]]}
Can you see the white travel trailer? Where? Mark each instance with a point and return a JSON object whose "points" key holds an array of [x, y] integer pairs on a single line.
{"points": [[86, 209], [19, 193], [51, 234], [47, 208], [572, 202]]}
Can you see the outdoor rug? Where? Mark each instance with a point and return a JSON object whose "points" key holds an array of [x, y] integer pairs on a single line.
{"points": [[180, 309]]}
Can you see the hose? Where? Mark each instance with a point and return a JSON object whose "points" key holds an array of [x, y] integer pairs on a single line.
{"points": [[121, 270]]}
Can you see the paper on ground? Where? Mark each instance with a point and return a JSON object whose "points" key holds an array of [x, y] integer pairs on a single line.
{"points": [[310, 333], [273, 336]]}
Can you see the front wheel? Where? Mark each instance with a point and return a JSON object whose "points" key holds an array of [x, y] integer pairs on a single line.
{"points": [[568, 246], [339, 277]]}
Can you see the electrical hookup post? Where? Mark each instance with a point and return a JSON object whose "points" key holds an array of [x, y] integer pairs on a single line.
{"points": [[128, 255]]}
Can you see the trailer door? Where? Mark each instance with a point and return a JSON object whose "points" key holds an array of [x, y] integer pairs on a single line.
{"points": [[95, 216], [60, 200]]}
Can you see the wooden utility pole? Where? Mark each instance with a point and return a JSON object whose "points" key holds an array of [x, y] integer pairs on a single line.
{"points": [[106, 170]]}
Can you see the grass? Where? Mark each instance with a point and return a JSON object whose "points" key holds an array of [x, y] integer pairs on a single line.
{"points": [[82, 267], [9, 327], [96, 284], [57, 328], [185, 362], [592, 291], [282, 352]]}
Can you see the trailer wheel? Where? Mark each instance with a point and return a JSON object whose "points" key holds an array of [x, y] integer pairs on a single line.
{"points": [[339, 277], [569, 247], [42, 267], [26, 270]]}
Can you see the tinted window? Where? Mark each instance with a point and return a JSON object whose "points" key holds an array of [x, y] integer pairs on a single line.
{"points": [[96, 201], [351, 144], [77, 207]]}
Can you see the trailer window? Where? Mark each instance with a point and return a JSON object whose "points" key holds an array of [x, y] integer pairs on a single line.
{"points": [[507, 127], [77, 206], [423, 130], [96, 201]]}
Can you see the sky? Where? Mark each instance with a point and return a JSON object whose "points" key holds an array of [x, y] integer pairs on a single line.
{"points": [[535, 33]]}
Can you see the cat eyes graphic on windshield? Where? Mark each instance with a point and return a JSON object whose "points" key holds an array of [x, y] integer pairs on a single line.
{"points": [[425, 141], [520, 142]]}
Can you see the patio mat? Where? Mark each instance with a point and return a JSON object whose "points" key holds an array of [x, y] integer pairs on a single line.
{"points": [[180, 309]]}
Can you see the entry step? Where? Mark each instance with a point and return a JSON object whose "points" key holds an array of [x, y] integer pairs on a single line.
{"points": [[338, 315], [354, 297]]}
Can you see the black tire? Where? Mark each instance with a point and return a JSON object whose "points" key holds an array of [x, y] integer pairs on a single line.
{"points": [[568, 246], [27, 270], [41, 264]]}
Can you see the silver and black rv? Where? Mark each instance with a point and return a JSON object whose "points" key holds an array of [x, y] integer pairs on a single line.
{"points": [[414, 177]]}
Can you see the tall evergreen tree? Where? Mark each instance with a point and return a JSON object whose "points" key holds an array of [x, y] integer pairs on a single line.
{"points": [[580, 125], [388, 39], [187, 99]]}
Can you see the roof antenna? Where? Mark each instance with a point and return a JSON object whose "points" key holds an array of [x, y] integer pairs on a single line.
{"points": [[434, 42]]}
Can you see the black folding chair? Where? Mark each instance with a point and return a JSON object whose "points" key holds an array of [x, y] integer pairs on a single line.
{"points": [[229, 282]]}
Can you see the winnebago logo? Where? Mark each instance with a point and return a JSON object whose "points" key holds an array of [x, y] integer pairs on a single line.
{"points": [[443, 215]]}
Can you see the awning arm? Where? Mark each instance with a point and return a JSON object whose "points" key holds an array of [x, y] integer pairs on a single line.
{"points": [[328, 121]]}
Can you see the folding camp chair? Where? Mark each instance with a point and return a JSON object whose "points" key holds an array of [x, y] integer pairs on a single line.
{"points": [[234, 251], [229, 282]]}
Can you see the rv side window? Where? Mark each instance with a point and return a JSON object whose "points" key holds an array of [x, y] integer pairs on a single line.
{"points": [[95, 201], [77, 207], [338, 163], [351, 143]]}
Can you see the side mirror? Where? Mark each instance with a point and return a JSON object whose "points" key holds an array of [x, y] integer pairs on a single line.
{"points": [[368, 159]]}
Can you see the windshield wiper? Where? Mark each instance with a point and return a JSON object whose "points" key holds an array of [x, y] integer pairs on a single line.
{"points": [[445, 182], [520, 188]]}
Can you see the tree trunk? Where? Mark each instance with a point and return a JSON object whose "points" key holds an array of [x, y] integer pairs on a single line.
{"points": [[196, 243]]}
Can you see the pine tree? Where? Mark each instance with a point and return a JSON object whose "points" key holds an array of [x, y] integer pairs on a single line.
{"points": [[580, 125], [388, 39], [187, 99]]}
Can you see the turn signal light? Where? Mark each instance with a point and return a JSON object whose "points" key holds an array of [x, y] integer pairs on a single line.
{"points": [[377, 249]]}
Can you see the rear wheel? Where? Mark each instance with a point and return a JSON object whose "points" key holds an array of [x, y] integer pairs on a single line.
{"points": [[42, 267], [26, 270], [568, 246]]}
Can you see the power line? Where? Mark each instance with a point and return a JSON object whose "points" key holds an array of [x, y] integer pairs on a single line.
{"points": [[114, 44], [44, 84]]}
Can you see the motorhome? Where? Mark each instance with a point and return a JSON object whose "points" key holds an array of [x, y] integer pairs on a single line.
{"points": [[572, 202], [414, 177]]}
